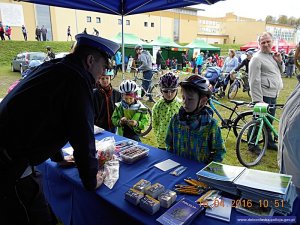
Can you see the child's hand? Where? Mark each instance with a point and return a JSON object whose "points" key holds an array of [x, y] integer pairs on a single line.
{"points": [[123, 121], [132, 123]]}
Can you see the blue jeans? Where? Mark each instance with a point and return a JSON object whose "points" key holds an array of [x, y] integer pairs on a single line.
{"points": [[148, 76], [199, 69], [290, 70]]}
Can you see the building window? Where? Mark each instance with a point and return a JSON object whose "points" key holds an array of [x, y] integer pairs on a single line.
{"points": [[152, 24], [88, 19], [145, 24], [98, 20], [119, 22], [128, 22]]}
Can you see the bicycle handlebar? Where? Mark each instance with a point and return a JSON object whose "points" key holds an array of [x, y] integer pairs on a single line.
{"points": [[270, 106]]}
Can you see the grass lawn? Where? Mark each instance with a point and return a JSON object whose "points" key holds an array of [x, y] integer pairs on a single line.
{"points": [[10, 49]]}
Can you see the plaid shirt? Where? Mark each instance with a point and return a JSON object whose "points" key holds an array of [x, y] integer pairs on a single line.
{"points": [[196, 137]]}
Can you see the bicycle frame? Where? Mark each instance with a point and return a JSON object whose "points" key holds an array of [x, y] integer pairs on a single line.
{"points": [[233, 111], [148, 92], [264, 120]]}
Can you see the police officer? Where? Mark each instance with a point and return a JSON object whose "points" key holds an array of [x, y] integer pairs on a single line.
{"points": [[53, 105]]}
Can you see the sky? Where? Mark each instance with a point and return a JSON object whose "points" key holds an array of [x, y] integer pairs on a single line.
{"points": [[257, 9]]}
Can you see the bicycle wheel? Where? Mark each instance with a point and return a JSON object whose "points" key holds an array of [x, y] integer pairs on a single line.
{"points": [[247, 152], [155, 92], [148, 126], [233, 90], [241, 120]]}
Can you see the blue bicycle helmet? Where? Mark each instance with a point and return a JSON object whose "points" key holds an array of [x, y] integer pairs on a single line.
{"points": [[201, 84]]}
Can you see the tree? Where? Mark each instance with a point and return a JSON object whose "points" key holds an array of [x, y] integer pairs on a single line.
{"points": [[270, 19], [282, 19], [292, 21], [298, 23]]}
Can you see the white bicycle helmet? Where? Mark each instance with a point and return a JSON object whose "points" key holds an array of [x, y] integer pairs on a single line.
{"points": [[128, 87], [34, 63]]}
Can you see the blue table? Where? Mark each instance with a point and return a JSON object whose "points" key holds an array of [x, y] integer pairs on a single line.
{"points": [[74, 205]]}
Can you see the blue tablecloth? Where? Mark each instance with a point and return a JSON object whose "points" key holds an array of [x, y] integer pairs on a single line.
{"points": [[74, 205]]}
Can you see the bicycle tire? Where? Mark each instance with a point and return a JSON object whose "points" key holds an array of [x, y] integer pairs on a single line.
{"points": [[240, 121], [148, 127], [250, 156], [233, 90]]}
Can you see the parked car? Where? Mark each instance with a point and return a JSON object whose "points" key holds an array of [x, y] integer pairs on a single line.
{"points": [[22, 60]]}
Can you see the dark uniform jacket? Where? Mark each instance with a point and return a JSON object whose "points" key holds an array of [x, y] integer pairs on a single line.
{"points": [[47, 109], [104, 103]]}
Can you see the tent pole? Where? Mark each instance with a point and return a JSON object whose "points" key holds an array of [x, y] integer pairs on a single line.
{"points": [[123, 50]]}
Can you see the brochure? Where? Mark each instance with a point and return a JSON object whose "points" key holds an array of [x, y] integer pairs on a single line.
{"points": [[183, 212], [254, 210], [166, 165], [251, 184], [220, 211]]}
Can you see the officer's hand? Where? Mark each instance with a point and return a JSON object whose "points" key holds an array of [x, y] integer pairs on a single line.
{"points": [[100, 178], [68, 161]]}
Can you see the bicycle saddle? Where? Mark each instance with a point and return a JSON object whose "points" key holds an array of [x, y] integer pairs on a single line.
{"points": [[238, 102]]}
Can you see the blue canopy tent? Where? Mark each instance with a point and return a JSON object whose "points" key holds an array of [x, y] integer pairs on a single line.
{"points": [[122, 7]]}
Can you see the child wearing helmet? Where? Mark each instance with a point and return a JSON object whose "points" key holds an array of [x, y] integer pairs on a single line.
{"points": [[165, 108], [130, 115], [105, 98], [193, 133]]}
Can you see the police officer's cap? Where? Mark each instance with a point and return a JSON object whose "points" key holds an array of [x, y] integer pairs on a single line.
{"points": [[102, 44]]}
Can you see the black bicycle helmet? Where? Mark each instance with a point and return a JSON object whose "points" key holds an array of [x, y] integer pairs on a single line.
{"points": [[199, 83], [169, 80]]}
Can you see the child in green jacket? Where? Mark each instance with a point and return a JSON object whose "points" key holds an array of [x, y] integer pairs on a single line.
{"points": [[193, 133], [130, 115], [165, 108]]}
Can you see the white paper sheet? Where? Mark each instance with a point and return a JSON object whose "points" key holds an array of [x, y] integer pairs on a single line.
{"points": [[68, 150], [167, 165]]}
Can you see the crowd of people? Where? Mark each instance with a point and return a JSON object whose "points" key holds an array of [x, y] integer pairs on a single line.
{"points": [[5, 31], [84, 96]]}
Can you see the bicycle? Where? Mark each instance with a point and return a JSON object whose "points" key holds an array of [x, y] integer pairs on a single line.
{"points": [[236, 123], [153, 90], [237, 83], [221, 82], [253, 139]]}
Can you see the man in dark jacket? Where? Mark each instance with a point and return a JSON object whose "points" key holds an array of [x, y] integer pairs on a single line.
{"points": [[159, 59], [53, 105], [245, 63]]}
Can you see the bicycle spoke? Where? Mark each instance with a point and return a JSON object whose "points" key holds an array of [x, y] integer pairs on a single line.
{"points": [[241, 121], [249, 153]]}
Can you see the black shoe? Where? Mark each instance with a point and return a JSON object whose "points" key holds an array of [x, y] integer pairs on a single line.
{"points": [[272, 146], [255, 149]]}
